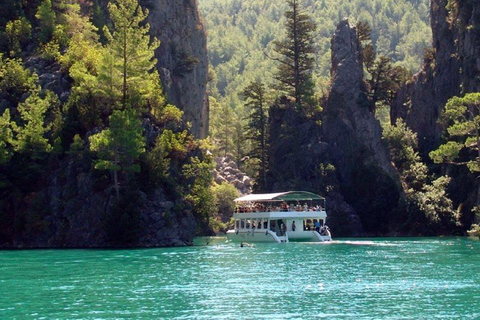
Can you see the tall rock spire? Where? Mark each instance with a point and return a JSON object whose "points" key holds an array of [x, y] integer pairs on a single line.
{"points": [[367, 178]]}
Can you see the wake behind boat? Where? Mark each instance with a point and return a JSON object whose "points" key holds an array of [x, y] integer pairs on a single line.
{"points": [[280, 217]]}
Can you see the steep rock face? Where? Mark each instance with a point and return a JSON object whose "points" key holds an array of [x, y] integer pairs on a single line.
{"points": [[454, 69], [75, 208], [182, 57], [300, 160], [367, 179]]}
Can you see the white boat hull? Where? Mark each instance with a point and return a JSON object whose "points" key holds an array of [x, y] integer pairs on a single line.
{"points": [[269, 236]]}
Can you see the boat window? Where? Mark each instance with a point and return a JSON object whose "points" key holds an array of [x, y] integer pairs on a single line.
{"points": [[259, 224], [237, 224], [242, 224], [308, 224], [272, 225], [248, 224]]}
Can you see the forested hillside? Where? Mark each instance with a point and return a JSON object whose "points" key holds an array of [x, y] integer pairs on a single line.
{"points": [[241, 32], [240, 46]]}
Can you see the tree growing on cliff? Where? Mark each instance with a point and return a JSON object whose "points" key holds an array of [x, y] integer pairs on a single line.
{"points": [[46, 21], [131, 66], [31, 133], [119, 146], [255, 100], [430, 207], [295, 61], [6, 138], [461, 117]]}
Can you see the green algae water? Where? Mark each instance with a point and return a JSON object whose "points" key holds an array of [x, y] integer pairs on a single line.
{"points": [[417, 278]]}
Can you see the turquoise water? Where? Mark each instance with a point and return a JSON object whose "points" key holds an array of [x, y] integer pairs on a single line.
{"points": [[428, 278]]}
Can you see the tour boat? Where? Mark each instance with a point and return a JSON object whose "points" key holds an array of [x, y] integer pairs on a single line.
{"points": [[280, 217]]}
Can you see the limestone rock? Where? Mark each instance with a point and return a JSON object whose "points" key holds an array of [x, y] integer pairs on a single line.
{"points": [[367, 179], [453, 71], [226, 170], [182, 57]]}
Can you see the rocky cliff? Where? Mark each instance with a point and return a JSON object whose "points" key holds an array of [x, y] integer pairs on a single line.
{"points": [[366, 177], [182, 57], [76, 207], [76, 211], [451, 68]]}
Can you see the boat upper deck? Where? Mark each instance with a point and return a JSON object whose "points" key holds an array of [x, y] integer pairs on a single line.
{"points": [[291, 204], [320, 214]]}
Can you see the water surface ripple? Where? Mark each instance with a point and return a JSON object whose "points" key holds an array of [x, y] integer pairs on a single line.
{"points": [[429, 278]]}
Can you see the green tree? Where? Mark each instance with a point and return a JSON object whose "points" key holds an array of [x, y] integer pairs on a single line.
{"points": [[119, 146], [461, 117], [221, 126], [296, 59], [199, 176], [129, 45], [402, 143], [18, 33], [46, 21], [430, 209], [6, 137], [225, 193], [257, 128], [31, 132], [15, 81]]}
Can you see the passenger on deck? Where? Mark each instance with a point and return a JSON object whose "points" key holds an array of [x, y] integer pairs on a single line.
{"points": [[293, 226]]}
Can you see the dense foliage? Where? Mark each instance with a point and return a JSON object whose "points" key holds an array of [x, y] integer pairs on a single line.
{"points": [[430, 209], [242, 37], [97, 119]]}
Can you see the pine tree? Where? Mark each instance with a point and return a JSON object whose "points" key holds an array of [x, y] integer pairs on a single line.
{"points": [[46, 21], [6, 137], [255, 95], [222, 126], [462, 119], [30, 134], [296, 55], [133, 54], [119, 146]]}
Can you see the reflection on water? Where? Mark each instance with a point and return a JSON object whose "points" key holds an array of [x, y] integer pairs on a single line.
{"points": [[215, 279]]}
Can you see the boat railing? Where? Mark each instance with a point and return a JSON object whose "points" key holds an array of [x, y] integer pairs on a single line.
{"points": [[252, 210]]}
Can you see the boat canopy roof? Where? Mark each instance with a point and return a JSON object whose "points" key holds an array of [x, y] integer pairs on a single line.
{"points": [[281, 196]]}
